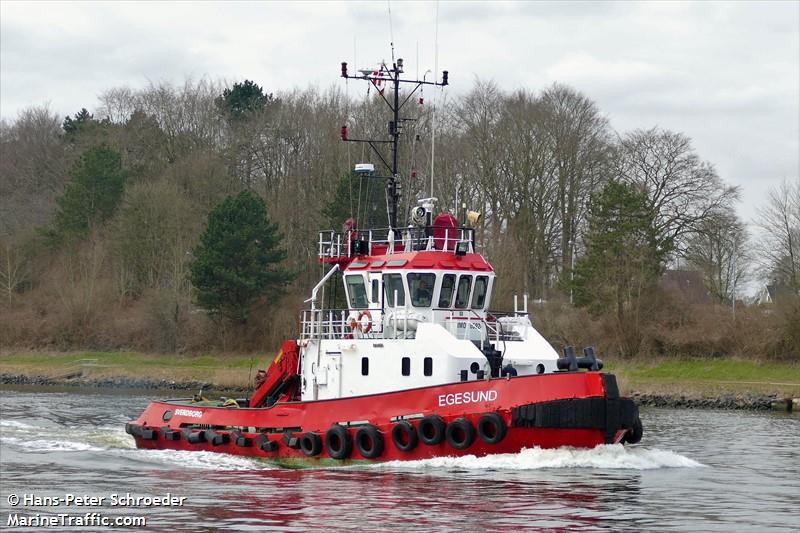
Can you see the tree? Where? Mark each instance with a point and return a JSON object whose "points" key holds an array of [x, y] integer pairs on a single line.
{"points": [[82, 119], [719, 250], [243, 99], [682, 190], [779, 249], [623, 257], [236, 262], [92, 194]]}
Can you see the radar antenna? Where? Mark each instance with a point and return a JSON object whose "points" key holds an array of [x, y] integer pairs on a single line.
{"points": [[389, 75]]}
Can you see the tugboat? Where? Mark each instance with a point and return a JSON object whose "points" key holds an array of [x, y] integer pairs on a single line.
{"points": [[416, 366]]}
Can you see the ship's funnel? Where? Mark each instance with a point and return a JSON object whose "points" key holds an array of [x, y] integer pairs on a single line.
{"points": [[473, 218]]}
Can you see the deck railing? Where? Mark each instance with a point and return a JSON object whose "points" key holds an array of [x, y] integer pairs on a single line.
{"points": [[335, 245]]}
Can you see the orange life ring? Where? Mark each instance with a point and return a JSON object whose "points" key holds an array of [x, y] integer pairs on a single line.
{"points": [[357, 324]]}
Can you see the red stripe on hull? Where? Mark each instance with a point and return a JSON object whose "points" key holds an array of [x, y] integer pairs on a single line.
{"points": [[466, 399]]}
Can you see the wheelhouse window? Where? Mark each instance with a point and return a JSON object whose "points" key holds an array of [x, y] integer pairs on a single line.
{"points": [[446, 292], [394, 283], [376, 291], [421, 288], [462, 293], [479, 294], [356, 291]]}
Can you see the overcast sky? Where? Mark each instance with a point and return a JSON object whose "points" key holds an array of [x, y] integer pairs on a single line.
{"points": [[725, 73]]}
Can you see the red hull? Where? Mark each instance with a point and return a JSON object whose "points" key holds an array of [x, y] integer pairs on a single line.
{"points": [[470, 400]]}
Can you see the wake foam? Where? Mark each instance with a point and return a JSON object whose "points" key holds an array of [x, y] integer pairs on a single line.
{"points": [[200, 460], [44, 446], [611, 456]]}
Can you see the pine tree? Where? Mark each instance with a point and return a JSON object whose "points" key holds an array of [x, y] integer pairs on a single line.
{"points": [[236, 262], [623, 258], [92, 194]]}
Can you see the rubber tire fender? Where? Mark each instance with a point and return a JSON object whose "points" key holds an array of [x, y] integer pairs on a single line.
{"points": [[369, 433], [431, 430], [635, 434], [311, 444], [492, 428], [341, 434], [457, 427], [404, 431]]}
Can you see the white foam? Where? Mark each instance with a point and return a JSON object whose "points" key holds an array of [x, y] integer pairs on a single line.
{"points": [[613, 456], [112, 437], [40, 445], [15, 424], [200, 460]]}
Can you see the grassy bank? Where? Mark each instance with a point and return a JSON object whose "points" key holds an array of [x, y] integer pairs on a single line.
{"points": [[692, 377], [229, 370]]}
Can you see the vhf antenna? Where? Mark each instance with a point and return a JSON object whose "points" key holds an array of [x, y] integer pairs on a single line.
{"points": [[392, 77]]}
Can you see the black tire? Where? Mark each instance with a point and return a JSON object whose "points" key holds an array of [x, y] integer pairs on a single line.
{"points": [[492, 428], [460, 434], [338, 442], [310, 444], [635, 434], [431, 430], [369, 442], [404, 436]]}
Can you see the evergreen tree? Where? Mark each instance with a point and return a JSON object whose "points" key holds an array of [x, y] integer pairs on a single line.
{"points": [[92, 194], [623, 258], [236, 262], [243, 99]]}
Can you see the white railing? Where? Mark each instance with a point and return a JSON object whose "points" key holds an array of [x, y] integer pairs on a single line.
{"points": [[334, 244], [340, 324]]}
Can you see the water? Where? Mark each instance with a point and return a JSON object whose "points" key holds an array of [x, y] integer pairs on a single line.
{"points": [[694, 471]]}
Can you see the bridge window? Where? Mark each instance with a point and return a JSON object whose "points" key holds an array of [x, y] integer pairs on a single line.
{"points": [[428, 366], [356, 291], [405, 367], [446, 293], [376, 291], [394, 283], [365, 366], [462, 293], [479, 294], [421, 288]]}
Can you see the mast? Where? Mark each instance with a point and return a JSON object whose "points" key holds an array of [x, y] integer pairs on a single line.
{"points": [[391, 76]]}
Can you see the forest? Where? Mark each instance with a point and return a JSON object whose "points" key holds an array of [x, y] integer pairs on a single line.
{"points": [[107, 217]]}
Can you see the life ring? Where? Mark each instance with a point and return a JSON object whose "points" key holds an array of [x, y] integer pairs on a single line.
{"points": [[338, 442], [369, 442], [492, 428], [358, 324], [460, 434], [311, 444], [404, 436], [431, 430]]}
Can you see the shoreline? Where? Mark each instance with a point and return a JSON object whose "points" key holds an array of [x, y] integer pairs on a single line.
{"points": [[748, 401]]}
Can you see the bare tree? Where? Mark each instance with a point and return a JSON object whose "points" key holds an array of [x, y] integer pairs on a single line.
{"points": [[719, 250], [779, 250], [32, 169], [683, 190]]}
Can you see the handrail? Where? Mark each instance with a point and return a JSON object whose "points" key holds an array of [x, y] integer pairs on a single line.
{"points": [[319, 285], [334, 245]]}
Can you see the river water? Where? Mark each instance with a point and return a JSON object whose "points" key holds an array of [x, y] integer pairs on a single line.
{"points": [[695, 470]]}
